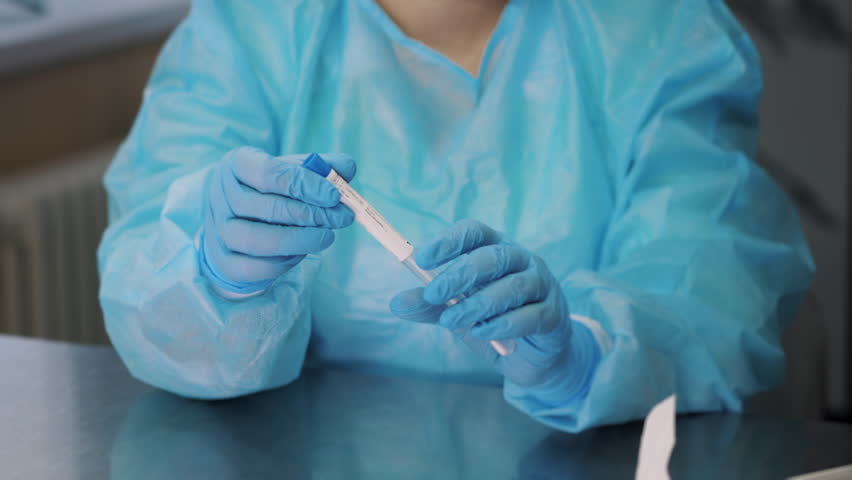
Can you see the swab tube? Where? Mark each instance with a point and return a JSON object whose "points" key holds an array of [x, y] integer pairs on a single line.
{"points": [[381, 230]]}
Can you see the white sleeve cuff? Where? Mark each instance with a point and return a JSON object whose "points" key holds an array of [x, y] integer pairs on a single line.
{"points": [[601, 336]]}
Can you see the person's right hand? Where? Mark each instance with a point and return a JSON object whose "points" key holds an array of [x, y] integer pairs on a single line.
{"points": [[264, 214]]}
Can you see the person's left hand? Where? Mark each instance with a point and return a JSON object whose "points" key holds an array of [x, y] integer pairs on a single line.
{"points": [[510, 294]]}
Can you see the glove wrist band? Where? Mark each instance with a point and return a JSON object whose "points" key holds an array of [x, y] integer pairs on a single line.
{"points": [[574, 377], [226, 289]]}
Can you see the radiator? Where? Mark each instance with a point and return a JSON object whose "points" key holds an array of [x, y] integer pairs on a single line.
{"points": [[50, 224]]}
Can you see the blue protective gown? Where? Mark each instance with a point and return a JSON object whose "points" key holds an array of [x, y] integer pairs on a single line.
{"points": [[611, 138]]}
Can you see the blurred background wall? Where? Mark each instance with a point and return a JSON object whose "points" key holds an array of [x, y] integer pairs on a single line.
{"points": [[71, 80]]}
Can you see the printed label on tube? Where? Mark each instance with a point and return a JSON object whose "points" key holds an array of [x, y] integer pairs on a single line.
{"points": [[369, 218]]}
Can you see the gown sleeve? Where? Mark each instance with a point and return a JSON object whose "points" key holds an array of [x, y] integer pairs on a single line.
{"points": [[171, 330], [704, 261]]}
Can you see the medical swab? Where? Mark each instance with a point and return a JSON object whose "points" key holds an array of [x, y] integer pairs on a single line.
{"points": [[381, 230]]}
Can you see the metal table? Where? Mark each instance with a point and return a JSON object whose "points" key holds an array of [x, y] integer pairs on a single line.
{"points": [[71, 411]]}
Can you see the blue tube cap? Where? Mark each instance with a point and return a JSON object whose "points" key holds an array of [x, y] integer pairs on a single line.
{"points": [[316, 164]]}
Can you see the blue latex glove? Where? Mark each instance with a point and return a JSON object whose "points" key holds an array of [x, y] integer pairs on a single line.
{"points": [[511, 294], [264, 214]]}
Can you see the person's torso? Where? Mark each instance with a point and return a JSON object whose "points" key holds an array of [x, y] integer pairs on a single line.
{"points": [[523, 149]]}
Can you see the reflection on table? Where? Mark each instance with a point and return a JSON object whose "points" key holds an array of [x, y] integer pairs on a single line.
{"points": [[334, 424], [74, 412]]}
